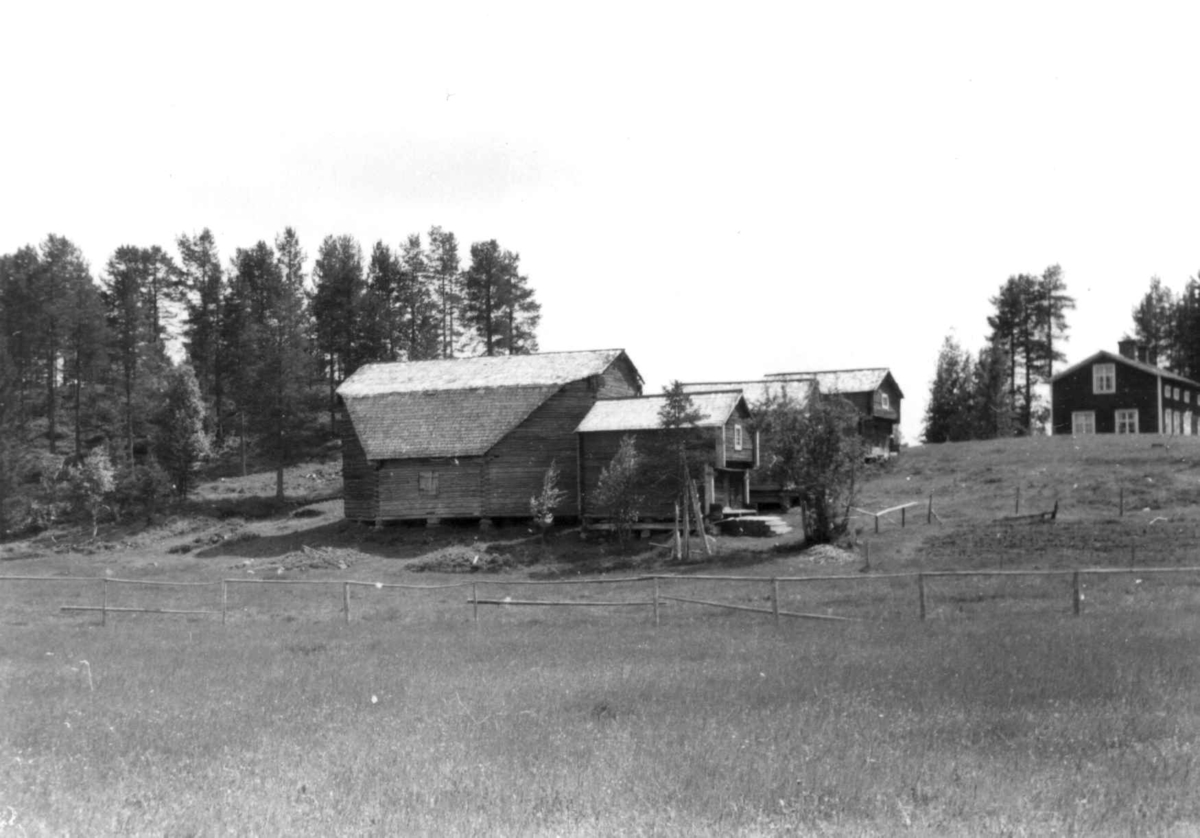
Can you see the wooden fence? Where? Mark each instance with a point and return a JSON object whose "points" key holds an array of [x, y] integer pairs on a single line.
{"points": [[654, 598]]}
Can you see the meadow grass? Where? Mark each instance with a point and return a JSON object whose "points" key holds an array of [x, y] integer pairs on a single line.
{"points": [[585, 724]]}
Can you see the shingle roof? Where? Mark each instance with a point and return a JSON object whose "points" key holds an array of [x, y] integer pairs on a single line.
{"points": [[864, 380], [458, 407], [549, 368], [798, 388], [641, 414], [1121, 359]]}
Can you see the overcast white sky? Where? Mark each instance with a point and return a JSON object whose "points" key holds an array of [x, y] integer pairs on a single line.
{"points": [[722, 190]]}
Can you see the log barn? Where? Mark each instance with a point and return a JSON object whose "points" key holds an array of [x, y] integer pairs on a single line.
{"points": [[470, 437], [1123, 393], [722, 440]]}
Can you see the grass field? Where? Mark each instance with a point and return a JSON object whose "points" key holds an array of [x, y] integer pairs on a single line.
{"points": [[1002, 714]]}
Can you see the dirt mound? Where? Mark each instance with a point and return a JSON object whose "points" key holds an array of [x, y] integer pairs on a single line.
{"points": [[465, 559], [828, 554], [304, 559]]}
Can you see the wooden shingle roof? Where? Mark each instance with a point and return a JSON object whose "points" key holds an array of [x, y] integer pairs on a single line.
{"points": [[457, 407], [641, 413], [864, 380], [797, 388]]}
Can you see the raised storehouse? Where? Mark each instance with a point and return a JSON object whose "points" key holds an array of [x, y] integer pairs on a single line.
{"points": [[875, 394], [724, 446], [470, 437], [764, 489], [1123, 393]]}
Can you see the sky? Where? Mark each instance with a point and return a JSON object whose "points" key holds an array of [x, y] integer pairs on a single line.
{"points": [[724, 191]]}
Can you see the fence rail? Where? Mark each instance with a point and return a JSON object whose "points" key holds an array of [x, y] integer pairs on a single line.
{"points": [[654, 600]]}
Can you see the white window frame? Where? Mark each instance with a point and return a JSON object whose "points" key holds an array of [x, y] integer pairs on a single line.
{"points": [[1122, 421], [1083, 423], [1104, 378], [737, 438], [1166, 391], [1175, 393], [884, 401], [1187, 423]]}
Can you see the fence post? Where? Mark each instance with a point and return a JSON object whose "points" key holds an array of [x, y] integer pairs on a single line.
{"points": [[921, 593], [877, 524], [475, 601], [1076, 596], [346, 600], [104, 605], [1121, 502], [929, 514], [775, 598], [656, 602], [224, 600], [1017, 506], [867, 554]]}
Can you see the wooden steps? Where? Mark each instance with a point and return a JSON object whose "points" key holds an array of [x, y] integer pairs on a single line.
{"points": [[758, 526]]}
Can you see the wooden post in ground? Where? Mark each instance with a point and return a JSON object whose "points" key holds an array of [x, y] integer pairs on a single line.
{"points": [[1076, 596], [867, 555], [1121, 502], [687, 532], [656, 618], [224, 600], [1017, 505], [775, 598], [929, 514], [104, 605], [902, 511], [877, 523], [695, 498], [475, 600], [346, 600], [921, 593]]}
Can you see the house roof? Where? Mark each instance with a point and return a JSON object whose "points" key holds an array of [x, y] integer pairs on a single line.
{"points": [[865, 380], [641, 413], [759, 390], [1104, 355], [457, 407], [543, 370]]}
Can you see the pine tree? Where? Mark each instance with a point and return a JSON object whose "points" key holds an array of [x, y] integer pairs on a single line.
{"points": [[447, 288], [138, 347], [498, 303], [203, 283], [991, 408], [338, 310], [61, 275], [415, 300]]}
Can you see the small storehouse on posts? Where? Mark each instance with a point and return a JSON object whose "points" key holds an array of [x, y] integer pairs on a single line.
{"points": [[1125, 393], [470, 437], [723, 444]]}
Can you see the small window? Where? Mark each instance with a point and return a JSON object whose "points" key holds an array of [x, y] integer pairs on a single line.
{"points": [[1083, 422], [1166, 391], [1127, 421], [1187, 396], [427, 483], [884, 401], [737, 437], [1187, 423], [1104, 378], [1175, 393]]}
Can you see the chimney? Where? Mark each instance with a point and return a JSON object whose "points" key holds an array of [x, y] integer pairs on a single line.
{"points": [[1128, 347]]}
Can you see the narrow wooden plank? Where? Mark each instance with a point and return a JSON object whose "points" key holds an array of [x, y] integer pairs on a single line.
{"points": [[641, 603], [132, 610]]}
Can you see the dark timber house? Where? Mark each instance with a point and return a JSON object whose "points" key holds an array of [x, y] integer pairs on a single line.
{"points": [[1125, 393], [874, 393], [763, 489], [722, 439], [470, 437]]}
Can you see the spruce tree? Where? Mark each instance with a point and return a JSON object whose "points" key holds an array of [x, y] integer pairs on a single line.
{"points": [[181, 442]]}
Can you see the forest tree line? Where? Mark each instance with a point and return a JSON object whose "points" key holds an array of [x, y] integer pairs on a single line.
{"points": [[993, 393], [104, 362]]}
